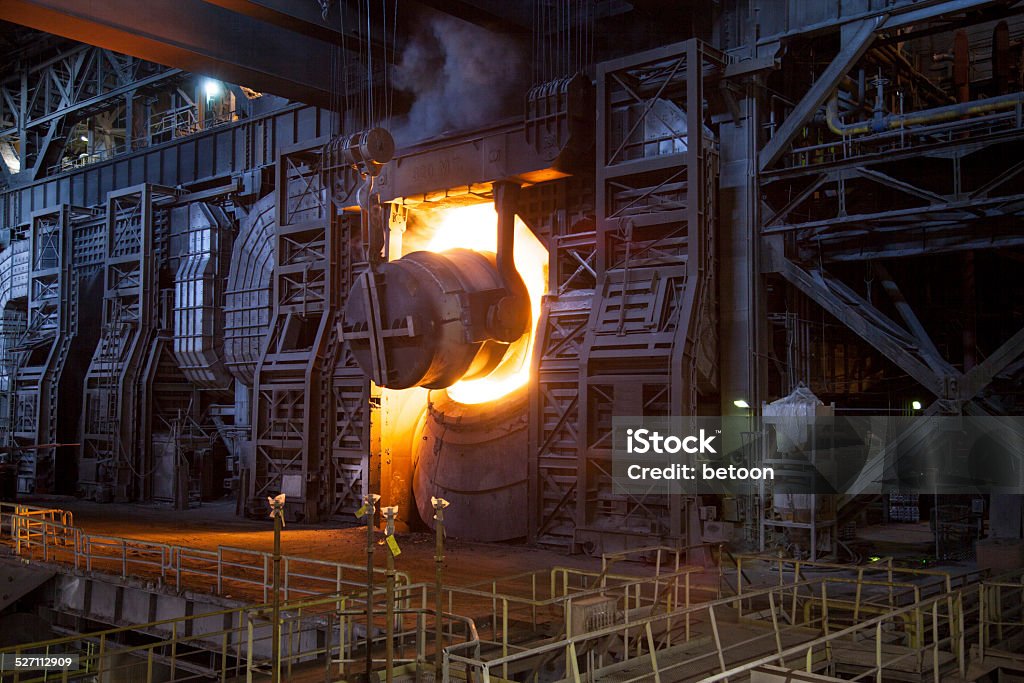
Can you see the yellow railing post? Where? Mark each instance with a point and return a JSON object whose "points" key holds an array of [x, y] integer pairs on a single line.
{"points": [[504, 636], [718, 639], [878, 652], [775, 626], [249, 654], [982, 589], [652, 654]]}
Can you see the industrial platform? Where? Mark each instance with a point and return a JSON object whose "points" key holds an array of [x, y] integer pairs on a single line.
{"points": [[630, 614], [518, 341]]}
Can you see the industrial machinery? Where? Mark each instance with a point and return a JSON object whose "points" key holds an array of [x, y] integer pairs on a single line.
{"points": [[413, 265], [235, 294], [431, 319]]}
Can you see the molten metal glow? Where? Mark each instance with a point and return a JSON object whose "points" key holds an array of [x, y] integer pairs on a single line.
{"points": [[476, 227]]}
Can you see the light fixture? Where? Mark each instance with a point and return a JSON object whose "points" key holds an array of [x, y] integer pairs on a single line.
{"points": [[916, 405], [740, 403], [212, 88], [84, 138]]}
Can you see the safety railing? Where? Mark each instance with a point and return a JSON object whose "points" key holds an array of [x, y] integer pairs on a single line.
{"points": [[164, 127], [688, 640], [28, 523], [320, 634], [316, 634], [674, 558], [902, 583], [513, 611], [48, 535], [1001, 616]]}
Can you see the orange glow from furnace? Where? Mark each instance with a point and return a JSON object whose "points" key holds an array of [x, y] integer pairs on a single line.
{"points": [[476, 227]]}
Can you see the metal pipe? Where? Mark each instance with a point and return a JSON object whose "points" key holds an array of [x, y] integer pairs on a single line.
{"points": [[275, 643], [505, 321], [925, 116], [899, 59], [505, 196], [439, 505], [389, 609], [390, 513], [369, 509]]}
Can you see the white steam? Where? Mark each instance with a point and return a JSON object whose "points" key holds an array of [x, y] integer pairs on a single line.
{"points": [[460, 76]]}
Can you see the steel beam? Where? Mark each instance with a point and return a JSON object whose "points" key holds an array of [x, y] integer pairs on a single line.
{"points": [[925, 345], [506, 17], [797, 200], [300, 17], [901, 185], [740, 303], [1009, 174], [899, 246], [21, 579], [900, 15], [852, 314], [936, 10], [98, 99], [191, 35], [306, 18], [852, 50], [966, 209], [982, 374]]}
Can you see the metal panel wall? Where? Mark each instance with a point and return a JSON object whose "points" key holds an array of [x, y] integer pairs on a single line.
{"points": [[13, 321], [217, 153], [111, 449], [292, 414], [43, 349]]}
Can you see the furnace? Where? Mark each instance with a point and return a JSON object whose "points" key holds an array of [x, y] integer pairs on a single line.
{"points": [[546, 340]]}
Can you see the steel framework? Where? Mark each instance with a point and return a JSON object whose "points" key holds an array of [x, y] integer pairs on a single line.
{"points": [[38, 108], [641, 340], [111, 445], [821, 207], [309, 409], [871, 194], [53, 321]]}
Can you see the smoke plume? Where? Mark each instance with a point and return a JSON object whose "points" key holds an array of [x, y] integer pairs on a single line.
{"points": [[460, 76]]}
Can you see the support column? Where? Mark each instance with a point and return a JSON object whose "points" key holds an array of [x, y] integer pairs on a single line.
{"points": [[739, 279]]}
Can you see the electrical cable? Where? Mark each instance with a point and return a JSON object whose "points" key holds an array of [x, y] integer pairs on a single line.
{"points": [[394, 59], [344, 82], [370, 113]]}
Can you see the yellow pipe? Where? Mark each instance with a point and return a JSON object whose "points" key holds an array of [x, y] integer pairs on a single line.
{"points": [[949, 112]]}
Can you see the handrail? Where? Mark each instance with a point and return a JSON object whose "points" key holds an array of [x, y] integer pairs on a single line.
{"points": [[796, 565], [999, 600], [238, 648], [61, 542], [576, 644], [230, 569]]}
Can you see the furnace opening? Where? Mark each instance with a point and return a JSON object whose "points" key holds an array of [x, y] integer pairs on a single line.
{"points": [[475, 227]]}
